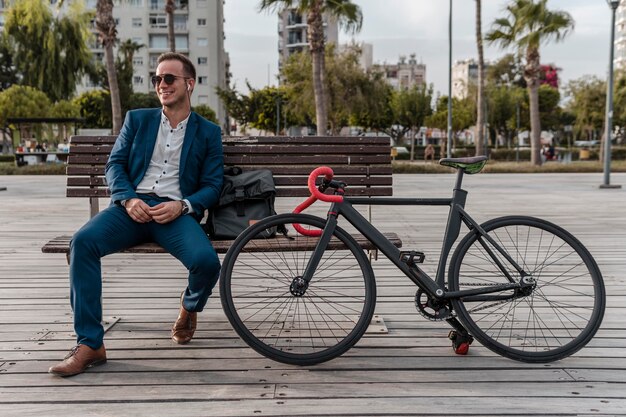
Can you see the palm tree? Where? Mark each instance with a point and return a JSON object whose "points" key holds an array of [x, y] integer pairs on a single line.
{"points": [[170, 6], [480, 115], [349, 17], [529, 24], [108, 36]]}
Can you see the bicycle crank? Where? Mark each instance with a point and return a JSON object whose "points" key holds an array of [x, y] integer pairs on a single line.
{"points": [[432, 309]]}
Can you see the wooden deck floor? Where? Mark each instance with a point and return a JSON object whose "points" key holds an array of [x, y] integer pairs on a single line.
{"points": [[411, 370]]}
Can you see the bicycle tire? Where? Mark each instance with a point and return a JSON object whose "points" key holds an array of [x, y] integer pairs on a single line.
{"points": [[565, 308], [332, 315]]}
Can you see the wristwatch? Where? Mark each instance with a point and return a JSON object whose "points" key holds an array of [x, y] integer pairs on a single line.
{"points": [[185, 207]]}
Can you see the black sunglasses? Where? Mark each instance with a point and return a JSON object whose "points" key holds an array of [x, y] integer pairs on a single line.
{"points": [[168, 78]]}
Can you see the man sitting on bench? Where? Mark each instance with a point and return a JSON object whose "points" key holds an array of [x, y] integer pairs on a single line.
{"points": [[165, 169]]}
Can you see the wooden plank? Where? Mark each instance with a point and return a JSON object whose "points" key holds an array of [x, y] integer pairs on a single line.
{"points": [[304, 159], [286, 151], [279, 243]]}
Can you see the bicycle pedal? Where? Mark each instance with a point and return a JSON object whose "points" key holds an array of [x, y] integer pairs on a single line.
{"points": [[412, 257]]}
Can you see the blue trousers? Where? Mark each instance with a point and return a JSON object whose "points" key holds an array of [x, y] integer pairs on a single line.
{"points": [[112, 230]]}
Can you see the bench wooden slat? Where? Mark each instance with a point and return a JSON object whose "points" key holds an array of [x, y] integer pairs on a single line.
{"points": [[77, 140], [305, 159], [281, 150], [304, 170], [280, 192], [279, 181], [309, 140], [61, 244], [92, 149]]}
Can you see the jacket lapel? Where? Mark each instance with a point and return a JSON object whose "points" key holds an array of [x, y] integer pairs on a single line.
{"points": [[151, 136], [190, 134]]}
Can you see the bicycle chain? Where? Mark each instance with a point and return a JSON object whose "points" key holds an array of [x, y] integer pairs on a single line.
{"points": [[488, 305]]}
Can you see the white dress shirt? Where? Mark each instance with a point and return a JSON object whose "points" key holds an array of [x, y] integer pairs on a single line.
{"points": [[161, 177]]}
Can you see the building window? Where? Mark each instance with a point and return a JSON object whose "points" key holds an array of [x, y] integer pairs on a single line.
{"points": [[137, 79], [201, 22], [158, 21], [203, 80], [138, 61], [136, 3], [202, 60], [137, 22], [157, 4], [158, 41], [181, 42], [117, 21], [201, 3], [153, 60], [180, 22], [203, 42]]}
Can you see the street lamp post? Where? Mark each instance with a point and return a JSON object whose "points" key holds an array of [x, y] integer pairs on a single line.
{"points": [[613, 4], [449, 150]]}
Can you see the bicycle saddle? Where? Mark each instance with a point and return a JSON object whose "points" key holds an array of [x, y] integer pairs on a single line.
{"points": [[471, 165]]}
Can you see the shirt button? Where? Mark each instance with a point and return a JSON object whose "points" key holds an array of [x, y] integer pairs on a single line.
{"points": [[157, 183], [166, 161], [164, 172]]}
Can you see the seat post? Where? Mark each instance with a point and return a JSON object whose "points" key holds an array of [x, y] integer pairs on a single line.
{"points": [[459, 178]]}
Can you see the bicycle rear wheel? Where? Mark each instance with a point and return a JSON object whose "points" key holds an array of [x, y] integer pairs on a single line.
{"points": [[561, 313], [266, 307]]}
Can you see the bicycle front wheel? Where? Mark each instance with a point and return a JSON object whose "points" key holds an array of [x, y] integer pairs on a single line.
{"points": [[263, 297], [554, 319]]}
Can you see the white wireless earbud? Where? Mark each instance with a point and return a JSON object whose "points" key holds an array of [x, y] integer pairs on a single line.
{"points": [[188, 87]]}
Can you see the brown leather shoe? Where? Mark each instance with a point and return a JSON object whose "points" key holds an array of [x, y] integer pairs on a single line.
{"points": [[185, 325], [78, 360]]}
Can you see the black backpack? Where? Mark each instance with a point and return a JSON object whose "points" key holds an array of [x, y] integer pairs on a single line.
{"points": [[246, 198]]}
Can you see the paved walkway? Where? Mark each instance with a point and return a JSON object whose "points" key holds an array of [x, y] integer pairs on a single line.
{"points": [[411, 370]]}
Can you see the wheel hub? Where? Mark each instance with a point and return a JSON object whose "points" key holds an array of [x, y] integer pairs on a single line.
{"points": [[298, 287]]}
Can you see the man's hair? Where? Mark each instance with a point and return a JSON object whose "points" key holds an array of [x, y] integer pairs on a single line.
{"points": [[188, 67]]}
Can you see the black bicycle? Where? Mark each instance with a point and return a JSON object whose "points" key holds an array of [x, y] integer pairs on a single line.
{"points": [[524, 287]]}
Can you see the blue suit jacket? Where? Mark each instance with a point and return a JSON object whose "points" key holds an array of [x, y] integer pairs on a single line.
{"points": [[201, 161]]}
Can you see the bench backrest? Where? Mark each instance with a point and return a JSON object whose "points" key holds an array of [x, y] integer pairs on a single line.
{"points": [[362, 162]]}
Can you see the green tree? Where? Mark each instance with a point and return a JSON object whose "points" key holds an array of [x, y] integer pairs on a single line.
{"points": [[549, 110], [50, 53], [349, 17], [237, 105], [8, 76], [23, 101], [528, 24], [143, 101], [506, 71], [374, 112], [95, 108], [108, 36], [348, 90], [502, 102], [462, 109], [587, 101], [206, 112], [410, 107]]}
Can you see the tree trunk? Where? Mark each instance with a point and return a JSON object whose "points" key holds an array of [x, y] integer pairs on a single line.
{"points": [[108, 33], [480, 106], [316, 46], [531, 74], [171, 38]]}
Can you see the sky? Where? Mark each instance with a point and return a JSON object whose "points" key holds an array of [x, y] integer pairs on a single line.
{"points": [[403, 27]]}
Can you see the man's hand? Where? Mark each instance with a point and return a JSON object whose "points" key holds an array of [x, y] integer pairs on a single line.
{"points": [[138, 210], [166, 212]]}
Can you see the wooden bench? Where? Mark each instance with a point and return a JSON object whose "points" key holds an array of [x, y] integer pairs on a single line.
{"points": [[363, 162]]}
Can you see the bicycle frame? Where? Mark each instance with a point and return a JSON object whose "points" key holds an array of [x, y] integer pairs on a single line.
{"points": [[457, 216]]}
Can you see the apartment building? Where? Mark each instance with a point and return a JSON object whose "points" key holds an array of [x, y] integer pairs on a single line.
{"points": [[292, 33], [199, 33], [404, 74], [619, 59]]}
